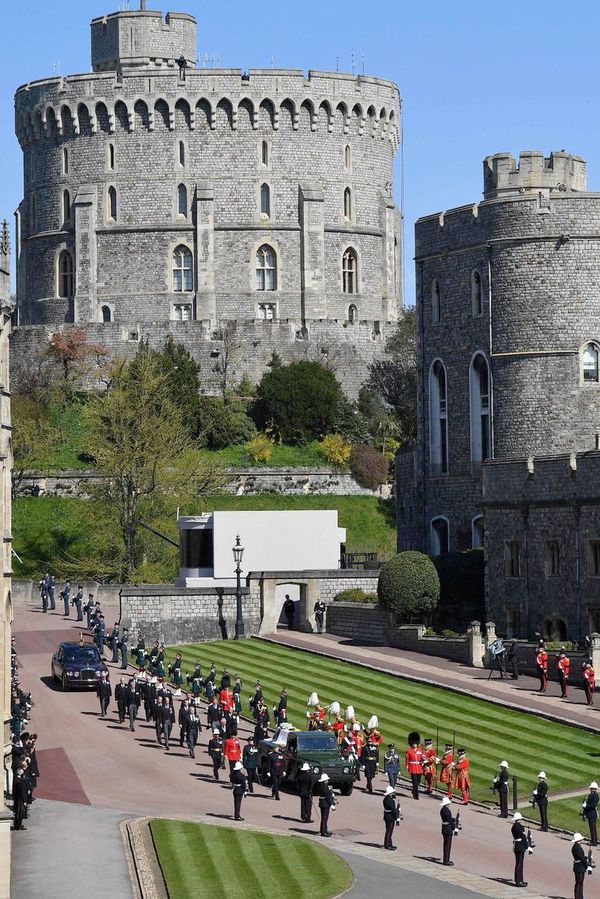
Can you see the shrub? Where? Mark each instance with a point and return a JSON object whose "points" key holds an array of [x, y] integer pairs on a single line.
{"points": [[299, 401], [223, 424], [369, 467], [409, 585], [335, 449], [356, 594], [260, 448], [462, 594]]}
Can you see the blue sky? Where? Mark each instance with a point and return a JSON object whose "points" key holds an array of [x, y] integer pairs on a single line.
{"points": [[475, 78]]}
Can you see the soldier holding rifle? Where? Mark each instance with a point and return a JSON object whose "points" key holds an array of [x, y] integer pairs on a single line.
{"points": [[522, 844], [450, 828], [391, 816]]}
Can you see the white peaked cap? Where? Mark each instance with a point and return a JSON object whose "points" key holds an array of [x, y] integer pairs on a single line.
{"points": [[504, 764], [577, 837], [542, 774], [305, 767], [238, 766], [445, 801], [373, 721], [517, 816], [593, 785], [389, 790], [323, 778]]}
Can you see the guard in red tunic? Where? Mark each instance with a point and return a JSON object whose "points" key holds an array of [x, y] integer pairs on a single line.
{"points": [[462, 780], [563, 664], [414, 762], [226, 700], [541, 662], [447, 766], [589, 677], [232, 752], [429, 765]]}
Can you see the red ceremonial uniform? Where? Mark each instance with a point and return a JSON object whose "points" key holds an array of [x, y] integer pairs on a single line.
{"points": [[226, 700], [447, 762], [414, 760], [563, 665], [429, 768], [232, 750], [338, 729], [589, 682], [541, 660], [462, 781], [358, 738]]}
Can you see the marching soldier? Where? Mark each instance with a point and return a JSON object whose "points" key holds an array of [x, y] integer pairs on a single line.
{"points": [[580, 864], [183, 719], [391, 816], [240, 789], [237, 695], [462, 779], [140, 652], [589, 811], [226, 699], [370, 757], [541, 662], [281, 712], [196, 675], [250, 761], [193, 729], [520, 847], [120, 694], [304, 785], [232, 751], [209, 683], [132, 701], [104, 692], [429, 768], [391, 764], [500, 786], [563, 664], [253, 703], [540, 798], [215, 751], [175, 671], [414, 762], [589, 682], [448, 828], [326, 803], [447, 765], [123, 645]]}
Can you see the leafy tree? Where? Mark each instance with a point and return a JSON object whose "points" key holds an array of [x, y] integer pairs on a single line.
{"points": [[299, 402], [31, 429], [141, 445], [409, 585], [369, 467], [230, 347], [73, 352], [182, 373], [394, 379], [223, 424]]}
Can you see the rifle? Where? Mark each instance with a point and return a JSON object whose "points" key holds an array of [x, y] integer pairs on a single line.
{"points": [[591, 864], [457, 824], [533, 800], [530, 843], [399, 815]]}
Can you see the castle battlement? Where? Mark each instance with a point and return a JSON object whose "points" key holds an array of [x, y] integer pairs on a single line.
{"points": [[561, 171], [141, 38]]}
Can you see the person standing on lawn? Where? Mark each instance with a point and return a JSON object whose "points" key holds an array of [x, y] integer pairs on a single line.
{"points": [[500, 786], [540, 798], [563, 663], [240, 789], [590, 812]]}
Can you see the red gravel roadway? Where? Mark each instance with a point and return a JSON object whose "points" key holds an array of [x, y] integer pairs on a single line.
{"points": [[87, 759]]}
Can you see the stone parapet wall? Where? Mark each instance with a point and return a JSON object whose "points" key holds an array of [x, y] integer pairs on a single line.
{"points": [[362, 622], [25, 592], [411, 638]]}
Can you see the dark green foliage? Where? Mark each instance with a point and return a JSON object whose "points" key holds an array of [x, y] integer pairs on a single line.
{"points": [[394, 378], [369, 467], [350, 422], [182, 372], [409, 586], [462, 596], [223, 424], [356, 594], [298, 402]]}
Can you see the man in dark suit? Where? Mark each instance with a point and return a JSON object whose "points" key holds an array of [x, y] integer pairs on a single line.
{"points": [[121, 700], [103, 692], [391, 814], [132, 701]]}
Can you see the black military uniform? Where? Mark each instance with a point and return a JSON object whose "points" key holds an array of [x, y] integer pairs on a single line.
{"points": [[276, 770], [391, 814], [183, 720], [448, 827], [250, 761], [540, 795], [305, 787], [326, 803], [193, 729], [281, 713], [590, 810], [197, 675], [215, 751], [214, 713], [239, 790], [120, 697], [501, 787], [132, 701], [369, 758], [103, 692], [258, 695], [520, 846], [19, 799], [148, 691], [225, 680], [580, 865]]}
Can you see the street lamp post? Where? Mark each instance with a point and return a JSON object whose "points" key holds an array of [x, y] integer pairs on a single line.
{"points": [[238, 552]]}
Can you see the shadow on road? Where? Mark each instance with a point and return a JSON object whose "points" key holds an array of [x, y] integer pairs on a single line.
{"points": [[48, 681]]}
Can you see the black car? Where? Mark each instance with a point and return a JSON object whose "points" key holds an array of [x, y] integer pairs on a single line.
{"points": [[77, 665]]}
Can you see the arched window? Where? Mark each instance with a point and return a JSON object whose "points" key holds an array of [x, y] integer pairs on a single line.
{"points": [[266, 268], [352, 313], [436, 303], [348, 204], [477, 532], [590, 362], [439, 536], [438, 419], [265, 200], [32, 212], [350, 271], [111, 157], [66, 206], [182, 200], [183, 279], [560, 629], [66, 278], [265, 153], [106, 314], [65, 161], [181, 153], [476, 296], [348, 157], [479, 389], [112, 203]]}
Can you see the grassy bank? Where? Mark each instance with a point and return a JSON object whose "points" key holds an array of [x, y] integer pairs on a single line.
{"points": [[568, 755], [225, 863]]}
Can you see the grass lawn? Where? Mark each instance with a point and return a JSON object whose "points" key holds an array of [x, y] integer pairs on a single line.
{"points": [[46, 529], [225, 862], [565, 813], [282, 457], [489, 732]]}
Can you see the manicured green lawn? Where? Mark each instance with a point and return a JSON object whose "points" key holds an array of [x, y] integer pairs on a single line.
{"points": [[282, 456], [489, 732], [47, 529], [225, 863]]}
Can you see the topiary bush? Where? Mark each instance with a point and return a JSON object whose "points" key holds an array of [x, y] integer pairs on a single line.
{"points": [[356, 594], [369, 467], [409, 586]]}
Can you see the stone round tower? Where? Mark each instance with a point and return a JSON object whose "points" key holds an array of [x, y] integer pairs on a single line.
{"points": [[509, 337], [155, 191]]}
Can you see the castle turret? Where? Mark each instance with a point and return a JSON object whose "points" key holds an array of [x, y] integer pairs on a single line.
{"points": [[533, 173], [142, 37]]}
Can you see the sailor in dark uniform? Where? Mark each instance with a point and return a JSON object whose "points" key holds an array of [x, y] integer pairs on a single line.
{"points": [[520, 847], [391, 814], [326, 803], [448, 826], [305, 787], [239, 789]]}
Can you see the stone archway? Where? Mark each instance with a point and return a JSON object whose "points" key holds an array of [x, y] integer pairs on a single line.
{"points": [[308, 593]]}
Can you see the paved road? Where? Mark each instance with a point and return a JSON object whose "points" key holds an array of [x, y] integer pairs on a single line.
{"points": [[103, 764]]}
